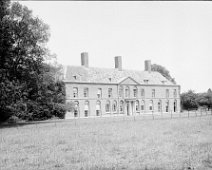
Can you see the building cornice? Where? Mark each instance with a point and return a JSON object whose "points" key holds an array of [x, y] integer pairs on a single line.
{"points": [[100, 83]]}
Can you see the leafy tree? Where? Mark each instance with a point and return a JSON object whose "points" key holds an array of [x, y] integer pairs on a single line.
{"points": [[205, 99], [188, 100], [27, 88], [163, 71]]}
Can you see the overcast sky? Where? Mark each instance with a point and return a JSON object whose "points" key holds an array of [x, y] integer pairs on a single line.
{"points": [[177, 35]]}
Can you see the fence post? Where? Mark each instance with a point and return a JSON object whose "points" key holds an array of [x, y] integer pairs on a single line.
{"points": [[153, 116], [188, 113], [171, 114], [196, 113]]}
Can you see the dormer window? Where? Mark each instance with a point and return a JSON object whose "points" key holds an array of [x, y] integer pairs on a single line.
{"points": [[110, 79], [163, 82], [146, 81], [75, 77]]}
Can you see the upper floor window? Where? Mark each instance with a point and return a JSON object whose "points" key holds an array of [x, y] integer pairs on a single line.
{"points": [[75, 92], [135, 92], [85, 92], [127, 92], [153, 93], [175, 93], [121, 91], [142, 93], [110, 92], [99, 93], [151, 105], [167, 93]]}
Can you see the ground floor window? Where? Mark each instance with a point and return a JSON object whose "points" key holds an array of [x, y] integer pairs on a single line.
{"points": [[76, 109], [86, 108], [107, 107], [121, 107], [75, 113], [151, 105], [98, 108], [114, 107], [175, 106], [137, 106], [98, 112], [167, 106], [159, 106], [86, 113]]}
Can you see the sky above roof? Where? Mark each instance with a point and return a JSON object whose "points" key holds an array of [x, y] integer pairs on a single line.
{"points": [[177, 35]]}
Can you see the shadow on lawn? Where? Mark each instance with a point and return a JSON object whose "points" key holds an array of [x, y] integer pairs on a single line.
{"points": [[25, 123]]}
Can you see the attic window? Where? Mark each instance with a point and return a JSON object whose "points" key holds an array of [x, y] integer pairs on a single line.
{"points": [[163, 81], [75, 77], [110, 79], [146, 81]]}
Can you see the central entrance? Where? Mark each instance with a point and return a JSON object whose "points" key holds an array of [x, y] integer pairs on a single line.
{"points": [[130, 107]]}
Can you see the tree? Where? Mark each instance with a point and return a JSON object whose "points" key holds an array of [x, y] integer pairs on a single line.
{"points": [[24, 77], [188, 100], [163, 71]]}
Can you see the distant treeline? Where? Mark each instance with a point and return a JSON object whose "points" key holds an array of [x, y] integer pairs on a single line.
{"points": [[191, 100]]}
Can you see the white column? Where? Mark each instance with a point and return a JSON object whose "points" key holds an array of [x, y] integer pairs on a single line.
{"points": [[130, 108]]}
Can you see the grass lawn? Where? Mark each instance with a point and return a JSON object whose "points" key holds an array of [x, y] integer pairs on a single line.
{"points": [[109, 143]]}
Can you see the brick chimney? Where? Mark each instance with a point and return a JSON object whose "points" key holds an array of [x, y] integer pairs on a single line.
{"points": [[147, 64], [118, 63], [84, 59]]}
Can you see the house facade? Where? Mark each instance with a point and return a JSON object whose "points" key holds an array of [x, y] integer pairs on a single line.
{"points": [[105, 92]]}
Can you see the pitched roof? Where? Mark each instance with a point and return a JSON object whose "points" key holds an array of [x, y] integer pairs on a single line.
{"points": [[109, 75]]}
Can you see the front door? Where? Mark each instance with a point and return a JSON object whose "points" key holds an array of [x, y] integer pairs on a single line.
{"points": [[174, 106], [128, 108]]}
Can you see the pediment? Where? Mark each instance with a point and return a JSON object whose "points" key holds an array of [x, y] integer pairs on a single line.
{"points": [[128, 81]]}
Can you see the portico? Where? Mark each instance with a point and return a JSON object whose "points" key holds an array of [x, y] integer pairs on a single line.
{"points": [[130, 106]]}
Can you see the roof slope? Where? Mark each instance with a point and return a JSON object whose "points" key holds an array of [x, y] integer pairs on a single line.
{"points": [[108, 75]]}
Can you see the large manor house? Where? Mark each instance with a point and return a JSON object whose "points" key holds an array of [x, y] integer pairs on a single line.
{"points": [[117, 91]]}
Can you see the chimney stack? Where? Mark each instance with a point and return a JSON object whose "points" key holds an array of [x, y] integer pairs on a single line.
{"points": [[118, 63], [147, 64], [84, 59]]}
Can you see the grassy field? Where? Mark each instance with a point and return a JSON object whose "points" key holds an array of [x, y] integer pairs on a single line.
{"points": [[109, 143]]}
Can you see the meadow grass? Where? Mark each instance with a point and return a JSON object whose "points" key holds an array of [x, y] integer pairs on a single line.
{"points": [[109, 143]]}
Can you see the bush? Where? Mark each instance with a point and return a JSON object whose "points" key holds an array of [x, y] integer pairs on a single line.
{"points": [[59, 110], [13, 119]]}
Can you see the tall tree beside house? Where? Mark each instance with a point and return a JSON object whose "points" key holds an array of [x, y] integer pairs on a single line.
{"points": [[163, 71], [25, 79]]}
